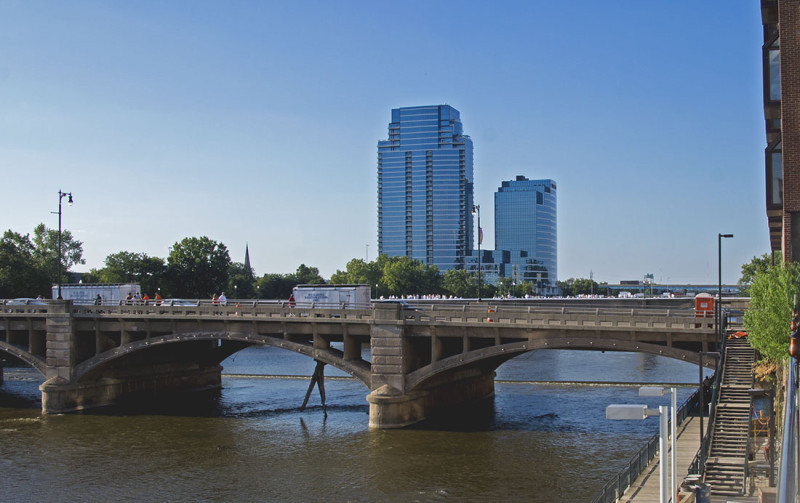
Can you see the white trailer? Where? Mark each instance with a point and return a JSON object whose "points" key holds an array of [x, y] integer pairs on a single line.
{"points": [[332, 296], [86, 293]]}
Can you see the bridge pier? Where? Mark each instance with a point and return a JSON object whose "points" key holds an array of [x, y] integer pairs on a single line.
{"points": [[392, 408], [391, 403]]}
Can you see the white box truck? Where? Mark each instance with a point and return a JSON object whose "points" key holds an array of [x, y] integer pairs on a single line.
{"points": [[332, 296], [86, 293]]}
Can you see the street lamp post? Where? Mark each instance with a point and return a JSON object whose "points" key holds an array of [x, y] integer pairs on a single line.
{"points": [[476, 210], [659, 391], [640, 412], [69, 200], [718, 310]]}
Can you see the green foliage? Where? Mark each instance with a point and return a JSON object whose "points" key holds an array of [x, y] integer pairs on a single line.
{"points": [[29, 266], [275, 286], [358, 272], [198, 267], [404, 275], [308, 276], [128, 267], [241, 283], [755, 266], [20, 274], [580, 286], [459, 283], [45, 243], [767, 321]]}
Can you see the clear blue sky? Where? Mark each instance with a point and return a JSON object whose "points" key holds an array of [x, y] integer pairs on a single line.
{"points": [[257, 122]]}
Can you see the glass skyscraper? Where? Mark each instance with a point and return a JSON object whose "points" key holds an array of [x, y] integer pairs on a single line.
{"points": [[425, 184], [525, 225]]}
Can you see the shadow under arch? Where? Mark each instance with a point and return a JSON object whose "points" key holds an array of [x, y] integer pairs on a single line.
{"points": [[490, 358], [227, 343], [34, 361]]}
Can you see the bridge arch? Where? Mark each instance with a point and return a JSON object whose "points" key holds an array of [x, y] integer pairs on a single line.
{"points": [[490, 358], [34, 361], [228, 343]]}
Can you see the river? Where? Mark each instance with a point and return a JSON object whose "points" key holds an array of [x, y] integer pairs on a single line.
{"points": [[537, 441]]}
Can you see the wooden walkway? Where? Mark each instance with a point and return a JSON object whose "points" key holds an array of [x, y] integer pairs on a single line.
{"points": [[645, 488]]}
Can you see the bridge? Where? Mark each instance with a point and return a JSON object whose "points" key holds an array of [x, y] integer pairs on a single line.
{"points": [[415, 363]]}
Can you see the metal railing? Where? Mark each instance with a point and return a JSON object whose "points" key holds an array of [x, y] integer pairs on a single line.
{"points": [[698, 465], [616, 487]]}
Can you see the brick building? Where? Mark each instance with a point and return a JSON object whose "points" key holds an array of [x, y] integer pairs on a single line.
{"points": [[781, 64]]}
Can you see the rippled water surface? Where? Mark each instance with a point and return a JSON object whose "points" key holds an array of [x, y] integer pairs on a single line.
{"points": [[250, 442]]}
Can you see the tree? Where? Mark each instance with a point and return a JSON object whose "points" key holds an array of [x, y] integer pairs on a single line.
{"points": [[20, 275], [197, 267], [275, 286], [767, 321], [241, 284], [128, 267], [756, 265], [459, 283], [580, 286], [358, 272], [308, 276], [45, 243], [404, 275]]}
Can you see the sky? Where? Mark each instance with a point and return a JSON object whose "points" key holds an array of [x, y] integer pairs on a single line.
{"points": [[256, 123]]}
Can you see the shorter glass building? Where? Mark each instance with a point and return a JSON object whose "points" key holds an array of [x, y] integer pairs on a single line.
{"points": [[525, 226]]}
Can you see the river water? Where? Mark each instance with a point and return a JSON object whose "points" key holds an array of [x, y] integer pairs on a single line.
{"points": [[535, 442]]}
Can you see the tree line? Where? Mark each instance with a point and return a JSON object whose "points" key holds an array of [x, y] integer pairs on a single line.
{"points": [[198, 267]]}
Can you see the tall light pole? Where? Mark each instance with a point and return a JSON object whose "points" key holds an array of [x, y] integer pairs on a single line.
{"points": [[718, 311], [476, 210], [640, 412], [61, 196], [673, 420]]}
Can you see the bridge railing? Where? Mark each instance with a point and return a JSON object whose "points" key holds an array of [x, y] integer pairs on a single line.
{"points": [[565, 316], [551, 316], [233, 308]]}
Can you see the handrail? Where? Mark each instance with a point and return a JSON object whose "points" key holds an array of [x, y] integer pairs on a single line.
{"points": [[617, 485], [787, 473], [427, 307], [715, 391]]}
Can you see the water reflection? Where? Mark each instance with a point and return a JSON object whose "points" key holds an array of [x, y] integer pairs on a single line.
{"points": [[250, 442]]}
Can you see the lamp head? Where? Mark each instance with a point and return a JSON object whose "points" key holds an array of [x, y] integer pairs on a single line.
{"points": [[726, 235], [70, 199]]}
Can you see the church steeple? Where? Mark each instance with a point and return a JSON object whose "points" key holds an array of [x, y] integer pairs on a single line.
{"points": [[247, 259]]}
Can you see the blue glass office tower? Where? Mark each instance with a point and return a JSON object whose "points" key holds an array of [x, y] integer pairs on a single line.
{"points": [[425, 187], [525, 225]]}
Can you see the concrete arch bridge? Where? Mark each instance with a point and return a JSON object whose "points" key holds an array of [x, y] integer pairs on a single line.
{"points": [[414, 363]]}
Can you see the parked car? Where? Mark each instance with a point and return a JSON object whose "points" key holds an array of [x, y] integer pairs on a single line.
{"points": [[178, 302], [24, 301], [403, 304]]}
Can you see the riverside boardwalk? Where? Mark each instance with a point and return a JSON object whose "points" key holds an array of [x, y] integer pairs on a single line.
{"points": [[645, 488]]}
